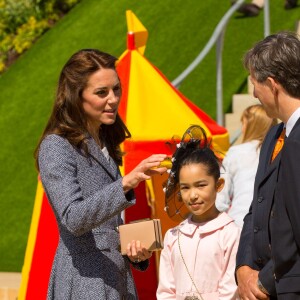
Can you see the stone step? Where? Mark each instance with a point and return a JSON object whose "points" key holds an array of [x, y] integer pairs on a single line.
{"points": [[233, 125], [241, 101], [233, 120], [9, 285]]}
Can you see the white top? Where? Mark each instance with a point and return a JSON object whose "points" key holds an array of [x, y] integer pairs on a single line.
{"points": [[105, 152], [239, 170]]}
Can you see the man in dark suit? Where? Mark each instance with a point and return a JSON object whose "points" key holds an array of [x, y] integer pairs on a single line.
{"points": [[268, 259]]}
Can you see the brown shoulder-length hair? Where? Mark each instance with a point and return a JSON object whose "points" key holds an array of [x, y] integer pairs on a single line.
{"points": [[68, 118], [257, 123]]}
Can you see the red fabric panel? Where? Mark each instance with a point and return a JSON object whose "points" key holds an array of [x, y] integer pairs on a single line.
{"points": [[123, 70], [43, 254], [130, 41], [146, 282], [137, 151]]}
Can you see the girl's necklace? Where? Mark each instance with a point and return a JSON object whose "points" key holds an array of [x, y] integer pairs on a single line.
{"points": [[188, 297]]}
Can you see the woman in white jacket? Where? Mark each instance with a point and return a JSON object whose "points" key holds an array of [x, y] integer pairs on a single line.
{"points": [[240, 164]]}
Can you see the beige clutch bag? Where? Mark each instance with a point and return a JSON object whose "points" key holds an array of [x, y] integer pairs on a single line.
{"points": [[146, 231]]}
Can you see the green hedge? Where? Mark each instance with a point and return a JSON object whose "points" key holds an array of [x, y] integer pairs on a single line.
{"points": [[22, 22]]}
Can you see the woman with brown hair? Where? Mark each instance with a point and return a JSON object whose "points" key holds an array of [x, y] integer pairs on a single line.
{"points": [[78, 158], [240, 164]]}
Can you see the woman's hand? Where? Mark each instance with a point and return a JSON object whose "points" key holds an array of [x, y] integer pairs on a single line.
{"points": [[143, 171], [137, 252]]}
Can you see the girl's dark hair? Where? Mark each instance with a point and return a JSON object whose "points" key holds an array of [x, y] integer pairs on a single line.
{"points": [[194, 148], [205, 156], [68, 119]]}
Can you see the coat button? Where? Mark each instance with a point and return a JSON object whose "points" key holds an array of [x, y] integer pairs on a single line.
{"points": [[259, 260], [260, 199], [272, 214], [255, 230]]}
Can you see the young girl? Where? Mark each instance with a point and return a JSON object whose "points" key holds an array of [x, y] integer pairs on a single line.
{"points": [[198, 259]]}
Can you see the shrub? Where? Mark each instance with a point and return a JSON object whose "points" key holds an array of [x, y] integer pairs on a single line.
{"points": [[28, 33], [14, 13], [22, 22]]}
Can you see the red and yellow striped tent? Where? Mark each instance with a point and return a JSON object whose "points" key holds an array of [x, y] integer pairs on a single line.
{"points": [[151, 107], [154, 111]]}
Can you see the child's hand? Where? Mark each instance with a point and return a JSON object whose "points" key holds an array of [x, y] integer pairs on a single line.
{"points": [[137, 252]]}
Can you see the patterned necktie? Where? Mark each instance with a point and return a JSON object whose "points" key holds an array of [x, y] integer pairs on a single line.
{"points": [[279, 144]]}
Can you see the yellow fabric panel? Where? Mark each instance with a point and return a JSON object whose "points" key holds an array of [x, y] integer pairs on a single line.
{"points": [[154, 109], [31, 240], [140, 32], [221, 144]]}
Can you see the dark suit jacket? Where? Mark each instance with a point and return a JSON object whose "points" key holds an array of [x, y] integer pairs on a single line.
{"points": [[285, 220], [254, 248]]}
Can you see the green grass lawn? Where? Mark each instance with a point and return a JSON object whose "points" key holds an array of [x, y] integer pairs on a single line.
{"points": [[178, 31]]}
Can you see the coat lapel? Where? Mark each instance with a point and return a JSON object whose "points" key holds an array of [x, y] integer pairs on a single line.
{"points": [[96, 153], [268, 167]]}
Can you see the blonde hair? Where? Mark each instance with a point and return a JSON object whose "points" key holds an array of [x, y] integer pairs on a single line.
{"points": [[257, 123]]}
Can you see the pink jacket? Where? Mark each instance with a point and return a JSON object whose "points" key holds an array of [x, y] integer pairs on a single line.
{"points": [[209, 251]]}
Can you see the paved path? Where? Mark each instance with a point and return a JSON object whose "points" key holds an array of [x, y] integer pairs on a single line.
{"points": [[9, 285]]}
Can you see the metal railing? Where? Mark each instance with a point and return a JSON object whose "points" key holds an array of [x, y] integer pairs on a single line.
{"points": [[218, 39]]}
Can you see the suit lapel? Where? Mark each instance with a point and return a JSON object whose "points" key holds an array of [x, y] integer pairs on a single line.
{"points": [[268, 167], [96, 153]]}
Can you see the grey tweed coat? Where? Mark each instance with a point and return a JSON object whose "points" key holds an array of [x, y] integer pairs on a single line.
{"points": [[87, 197]]}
